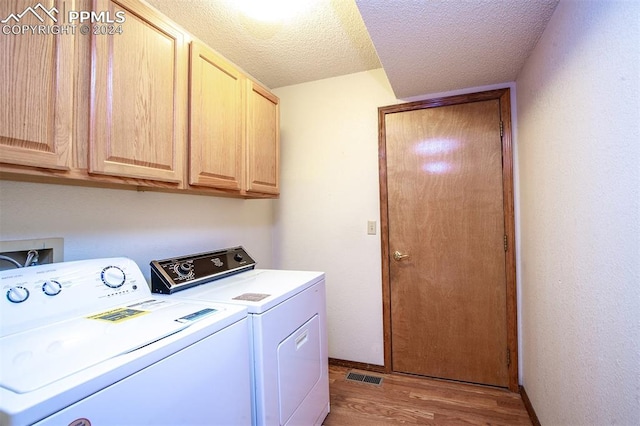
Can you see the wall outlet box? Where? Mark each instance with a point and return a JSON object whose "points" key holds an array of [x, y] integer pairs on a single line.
{"points": [[12, 253]]}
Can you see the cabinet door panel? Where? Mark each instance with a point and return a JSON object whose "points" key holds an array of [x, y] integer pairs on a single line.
{"points": [[263, 140], [138, 94], [36, 89], [215, 121]]}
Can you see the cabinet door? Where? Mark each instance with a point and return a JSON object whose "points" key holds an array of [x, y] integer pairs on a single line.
{"points": [[36, 87], [138, 96], [263, 140], [216, 139]]}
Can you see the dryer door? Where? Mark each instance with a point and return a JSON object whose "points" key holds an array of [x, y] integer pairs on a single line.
{"points": [[299, 366]]}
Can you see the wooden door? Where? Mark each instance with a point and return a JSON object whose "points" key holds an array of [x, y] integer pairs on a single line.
{"points": [[263, 140], [446, 234], [138, 96], [36, 87], [216, 121]]}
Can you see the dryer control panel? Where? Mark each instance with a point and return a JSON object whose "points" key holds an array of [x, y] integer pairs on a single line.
{"points": [[180, 273]]}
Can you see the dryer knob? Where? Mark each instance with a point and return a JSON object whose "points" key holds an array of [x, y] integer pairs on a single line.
{"points": [[185, 268], [238, 257], [51, 288], [17, 294], [113, 277]]}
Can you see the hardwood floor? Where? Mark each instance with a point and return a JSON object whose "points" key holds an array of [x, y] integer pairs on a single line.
{"points": [[402, 399]]}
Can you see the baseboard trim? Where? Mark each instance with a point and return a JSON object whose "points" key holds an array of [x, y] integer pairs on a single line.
{"points": [[357, 365], [527, 404]]}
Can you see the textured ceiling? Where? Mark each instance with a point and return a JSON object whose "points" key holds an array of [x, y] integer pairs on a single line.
{"points": [[425, 46], [438, 45], [328, 40]]}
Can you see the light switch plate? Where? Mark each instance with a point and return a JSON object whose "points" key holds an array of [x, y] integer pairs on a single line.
{"points": [[371, 227]]}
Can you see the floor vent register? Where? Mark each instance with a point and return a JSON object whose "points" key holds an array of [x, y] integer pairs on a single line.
{"points": [[363, 378]]}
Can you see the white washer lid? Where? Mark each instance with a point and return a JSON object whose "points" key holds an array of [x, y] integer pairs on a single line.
{"points": [[259, 289], [41, 356]]}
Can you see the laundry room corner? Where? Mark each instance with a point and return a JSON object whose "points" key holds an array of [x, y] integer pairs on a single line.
{"points": [[329, 193]]}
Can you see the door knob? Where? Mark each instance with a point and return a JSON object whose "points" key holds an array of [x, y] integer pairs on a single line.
{"points": [[399, 256]]}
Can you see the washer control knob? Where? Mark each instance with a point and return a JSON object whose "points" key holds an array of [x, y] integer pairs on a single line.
{"points": [[51, 288], [17, 294], [113, 277], [238, 257]]}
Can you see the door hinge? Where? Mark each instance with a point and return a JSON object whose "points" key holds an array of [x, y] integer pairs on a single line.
{"points": [[506, 244], [508, 358], [501, 129]]}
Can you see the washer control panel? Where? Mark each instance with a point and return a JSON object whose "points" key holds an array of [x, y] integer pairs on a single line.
{"points": [[180, 273], [56, 291]]}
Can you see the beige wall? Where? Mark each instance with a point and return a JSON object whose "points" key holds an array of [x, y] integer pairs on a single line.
{"points": [[579, 158], [329, 184], [144, 226]]}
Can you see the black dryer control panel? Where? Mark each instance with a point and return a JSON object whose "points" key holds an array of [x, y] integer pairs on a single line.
{"points": [[179, 273]]}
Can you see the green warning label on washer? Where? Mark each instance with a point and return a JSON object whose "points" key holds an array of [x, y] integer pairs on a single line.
{"points": [[118, 315]]}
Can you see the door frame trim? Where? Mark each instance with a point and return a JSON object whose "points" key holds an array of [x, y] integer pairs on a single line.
{"points": [[504, 97]]}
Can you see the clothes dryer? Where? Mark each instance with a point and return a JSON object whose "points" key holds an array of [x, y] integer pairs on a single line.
{"points": [[287, 315]]}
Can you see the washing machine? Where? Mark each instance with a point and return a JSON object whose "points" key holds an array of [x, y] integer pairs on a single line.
{"points": [[287, 316], [86, 343]]}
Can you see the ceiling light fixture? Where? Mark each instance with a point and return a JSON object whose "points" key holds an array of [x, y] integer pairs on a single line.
{"points": [[272, 10]]}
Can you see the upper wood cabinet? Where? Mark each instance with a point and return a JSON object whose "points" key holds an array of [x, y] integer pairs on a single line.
{"points": [[216, 121], [138, 96], [135, 107], [263, 140], [36, 89], [234, 128]]}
